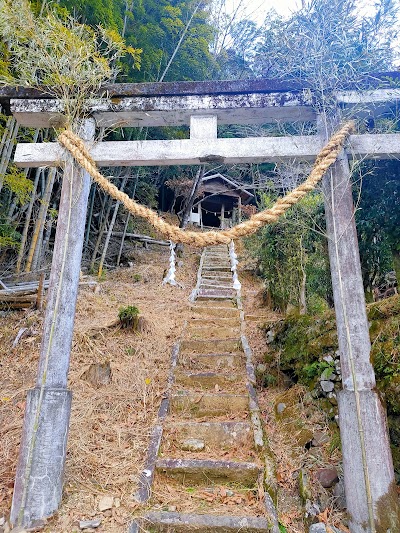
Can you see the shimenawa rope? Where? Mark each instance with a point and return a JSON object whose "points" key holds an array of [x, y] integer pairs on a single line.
{"points": [[327, 156]]}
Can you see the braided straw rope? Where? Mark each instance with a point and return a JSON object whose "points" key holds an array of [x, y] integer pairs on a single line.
{"points": [[328, 155]]}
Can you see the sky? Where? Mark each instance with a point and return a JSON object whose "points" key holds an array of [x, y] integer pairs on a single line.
{"points": [[257, 9]]}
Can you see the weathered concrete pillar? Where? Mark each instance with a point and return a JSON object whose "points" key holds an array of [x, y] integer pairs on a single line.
{"points": [[371, 496], [39, 477]]}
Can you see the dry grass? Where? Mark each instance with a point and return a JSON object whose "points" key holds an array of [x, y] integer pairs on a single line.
{"points": [[110, 424]]}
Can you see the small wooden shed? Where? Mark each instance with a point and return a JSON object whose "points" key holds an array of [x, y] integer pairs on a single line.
{"points": [[221, 204]]}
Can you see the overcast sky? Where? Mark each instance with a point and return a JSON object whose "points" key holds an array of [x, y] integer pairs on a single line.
{"points": [[257, 9]]}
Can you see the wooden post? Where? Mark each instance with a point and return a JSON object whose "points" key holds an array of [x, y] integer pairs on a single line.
{"points": [[222, 215], [371, 496], [39, 477], [240, 209]]}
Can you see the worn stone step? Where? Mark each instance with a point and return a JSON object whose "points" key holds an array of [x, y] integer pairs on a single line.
{"points": [[212, 361], [216, 321], [215, 434], [198, 346], [216, 294], [211, 274], [204, 285], [204, 471], [209, 380], [167, 522], [231, 302], [220, 311], [214, 268], [216, 280], [207, 331], [200, 404]]}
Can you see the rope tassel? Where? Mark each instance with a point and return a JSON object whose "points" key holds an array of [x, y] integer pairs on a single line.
{"points": [[170, 277], [328, 155]]}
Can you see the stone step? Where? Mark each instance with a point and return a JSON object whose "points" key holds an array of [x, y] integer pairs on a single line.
{"points": [[167, 522], [220, 311], [204, 471], [217, 303], [211, 274], [216, 280], [209, 380], [213, 362], [216, 294], [206, 332], [215, 434], [216, 321], [212, 268], [216, 286], [198, 346], [199, 404]]}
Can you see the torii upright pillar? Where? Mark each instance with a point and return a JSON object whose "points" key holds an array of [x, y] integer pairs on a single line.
{"points": [[371, 496], [40, 470]]}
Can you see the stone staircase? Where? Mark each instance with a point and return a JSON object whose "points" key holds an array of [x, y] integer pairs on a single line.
{"points": [[207, 468]]}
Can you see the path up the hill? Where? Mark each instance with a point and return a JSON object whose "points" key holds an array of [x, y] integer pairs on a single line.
{"points": [[208, 469]]}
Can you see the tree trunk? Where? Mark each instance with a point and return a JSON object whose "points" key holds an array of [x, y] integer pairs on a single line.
{"points": [[38, 233], [28, 220], [102, 226], [111, 227]]}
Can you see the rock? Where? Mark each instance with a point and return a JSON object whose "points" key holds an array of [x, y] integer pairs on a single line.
{"points": [[86, 524], [280, 408], [304, 486], [172, 508], [270, 336], [317, 528], [328, 358], [180, 264], [117, 502], [98, 374], [105, 503], [340, 495], [312, 509], [327, 386], [332, 398], [18, 529], [320, 438], [229, 493], [261, 368], [321, 528], [193, 445], [327, 477]]}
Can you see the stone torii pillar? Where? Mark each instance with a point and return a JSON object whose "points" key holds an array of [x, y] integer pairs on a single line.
{"points": [[39, 477], [371, 495]]}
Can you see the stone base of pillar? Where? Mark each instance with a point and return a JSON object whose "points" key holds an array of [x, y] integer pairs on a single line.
{"points": [[385, 504], [40, 470]]}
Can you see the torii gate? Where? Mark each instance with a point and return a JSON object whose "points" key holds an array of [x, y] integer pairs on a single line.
{"points": [[368, 469]]}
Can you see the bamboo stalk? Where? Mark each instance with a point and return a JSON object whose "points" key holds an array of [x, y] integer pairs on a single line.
{"points": [[32, 257]]}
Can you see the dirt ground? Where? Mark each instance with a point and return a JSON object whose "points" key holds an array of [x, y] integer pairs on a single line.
{"points": [[111, 419]]}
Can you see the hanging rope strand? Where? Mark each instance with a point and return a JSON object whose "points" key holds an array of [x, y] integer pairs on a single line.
{"points": [[327, 156]]}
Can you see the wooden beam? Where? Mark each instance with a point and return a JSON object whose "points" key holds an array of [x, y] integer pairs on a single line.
{"points": [[195, 152], [157, 111]]}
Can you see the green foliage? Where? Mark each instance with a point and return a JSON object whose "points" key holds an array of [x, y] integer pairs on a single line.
{"points": [[292, 250], [9, 237], [71, 60], [129, 316], [16, 181], [378, 219]]}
